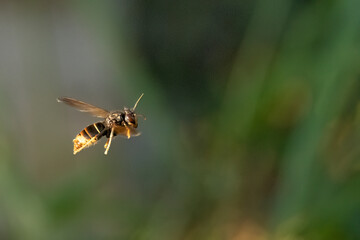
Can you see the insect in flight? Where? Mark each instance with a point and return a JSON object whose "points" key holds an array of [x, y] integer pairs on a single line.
{"points": [[115, 123]]}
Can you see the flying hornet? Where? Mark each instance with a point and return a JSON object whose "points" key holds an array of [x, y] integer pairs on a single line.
{"points": [[118, 122]]}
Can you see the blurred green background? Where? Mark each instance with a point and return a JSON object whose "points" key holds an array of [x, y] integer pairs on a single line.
{"points": [[252, 130]]}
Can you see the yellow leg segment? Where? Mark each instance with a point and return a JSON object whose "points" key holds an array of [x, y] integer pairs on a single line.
{"points": [[108, 143]]}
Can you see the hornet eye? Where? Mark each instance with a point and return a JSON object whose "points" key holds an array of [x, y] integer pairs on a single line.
{"points": [[130, 119]]}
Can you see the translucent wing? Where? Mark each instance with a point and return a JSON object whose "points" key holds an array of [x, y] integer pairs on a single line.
{"points": [[84, 107], [126, 131]]}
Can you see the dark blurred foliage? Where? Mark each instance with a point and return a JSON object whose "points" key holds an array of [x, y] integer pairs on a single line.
{"points": [[190, 47], [252, 119]]}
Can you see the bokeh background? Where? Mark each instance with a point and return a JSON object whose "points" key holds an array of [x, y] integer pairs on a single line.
{"points": [[252, 130]]}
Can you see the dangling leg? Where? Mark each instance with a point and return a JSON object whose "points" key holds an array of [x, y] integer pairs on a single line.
{"points": [[108, 143], [128, 132]]}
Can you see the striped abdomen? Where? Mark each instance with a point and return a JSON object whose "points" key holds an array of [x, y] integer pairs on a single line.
{"points": [[89, 136]]}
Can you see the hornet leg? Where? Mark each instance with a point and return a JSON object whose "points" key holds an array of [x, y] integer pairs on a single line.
{"points": [[108, 143]]}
